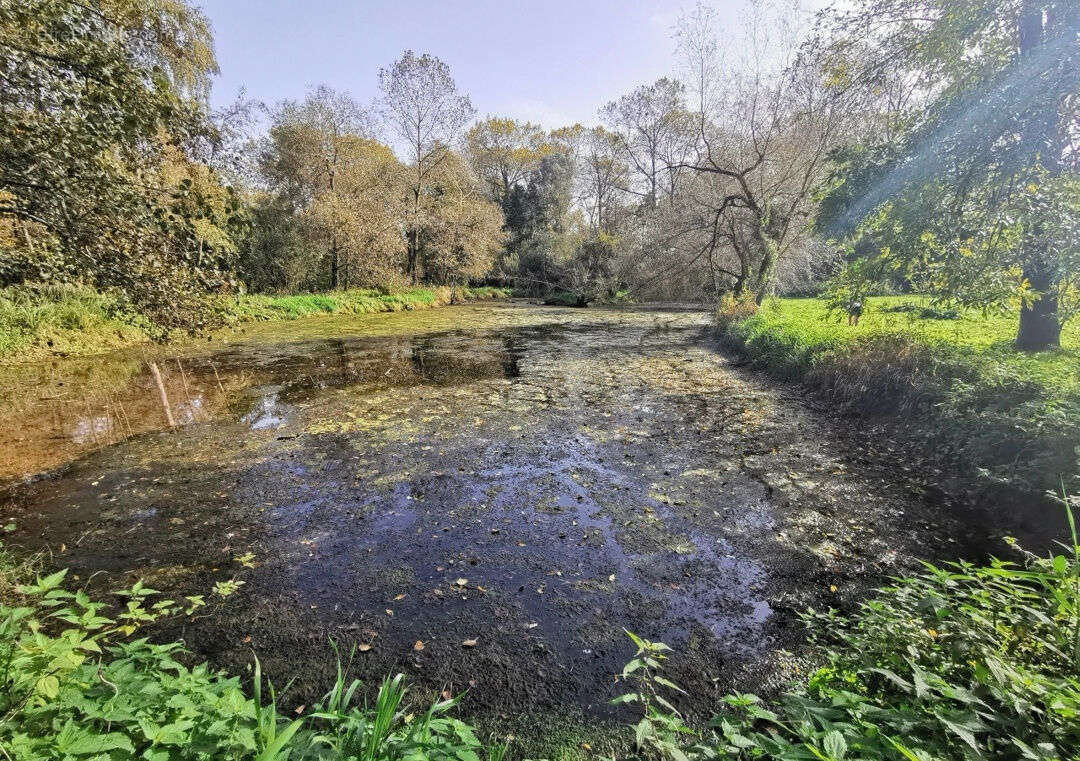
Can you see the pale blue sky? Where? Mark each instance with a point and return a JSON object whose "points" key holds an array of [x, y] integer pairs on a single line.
{"points": [[548, 62]]}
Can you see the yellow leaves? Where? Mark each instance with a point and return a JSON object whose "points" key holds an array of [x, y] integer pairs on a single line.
{"points": [[418, 646]]}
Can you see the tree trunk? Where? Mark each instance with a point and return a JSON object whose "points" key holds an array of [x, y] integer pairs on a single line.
{"points": [[414, 243], [766, 268], [334, 265], [1039, 326]]}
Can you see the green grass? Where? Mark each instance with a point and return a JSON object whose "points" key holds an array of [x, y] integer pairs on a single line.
{"points": [[64, 320], [354, 301], [1008, 415], [975, 337], [70, 320]]}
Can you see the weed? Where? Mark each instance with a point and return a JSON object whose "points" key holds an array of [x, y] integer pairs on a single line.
{"points": [[73, 685]]}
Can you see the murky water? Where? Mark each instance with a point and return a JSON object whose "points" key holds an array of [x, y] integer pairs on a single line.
{"points": [[533, 479]]}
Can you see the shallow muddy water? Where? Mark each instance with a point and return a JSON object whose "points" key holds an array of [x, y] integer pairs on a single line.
{"points": [[531, 480]]}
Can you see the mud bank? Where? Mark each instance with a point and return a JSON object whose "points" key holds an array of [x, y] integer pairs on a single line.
{"points": [[483, 497]]}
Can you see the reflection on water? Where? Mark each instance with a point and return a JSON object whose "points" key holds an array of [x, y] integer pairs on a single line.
{"points": [[267, 411], [91, 430], [64, 409]]}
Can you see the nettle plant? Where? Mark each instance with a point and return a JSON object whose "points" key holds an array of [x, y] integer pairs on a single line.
{"points": [[75, 686]]}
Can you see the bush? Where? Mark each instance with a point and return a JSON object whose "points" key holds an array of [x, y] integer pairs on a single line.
{"points": [[733, 309]]}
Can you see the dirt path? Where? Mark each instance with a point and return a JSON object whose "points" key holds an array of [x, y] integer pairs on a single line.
{"points": [[485, 502]]}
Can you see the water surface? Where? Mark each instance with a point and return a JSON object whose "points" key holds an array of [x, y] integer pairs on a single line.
{"points": [[534, 479]]}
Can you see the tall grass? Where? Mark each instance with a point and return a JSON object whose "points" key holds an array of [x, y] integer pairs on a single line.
{"points": [[64, 320]]}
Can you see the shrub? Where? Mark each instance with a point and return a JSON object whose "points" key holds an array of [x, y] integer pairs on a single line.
{"points": [[733, 309]]}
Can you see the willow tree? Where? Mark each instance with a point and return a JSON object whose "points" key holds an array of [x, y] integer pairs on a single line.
{"points": [[976, 198]]}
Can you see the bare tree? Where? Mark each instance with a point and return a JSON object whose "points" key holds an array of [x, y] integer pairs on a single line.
{"points": [[765, 129], [656, 133], [425, 111]]}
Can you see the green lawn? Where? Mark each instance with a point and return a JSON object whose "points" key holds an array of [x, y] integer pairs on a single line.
{"points": [[1012, 416]]}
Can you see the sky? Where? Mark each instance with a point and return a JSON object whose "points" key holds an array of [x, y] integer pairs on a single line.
{"points": [[554, 62]]}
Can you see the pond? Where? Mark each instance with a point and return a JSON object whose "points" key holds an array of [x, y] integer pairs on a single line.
{"points": [[483, 497]]}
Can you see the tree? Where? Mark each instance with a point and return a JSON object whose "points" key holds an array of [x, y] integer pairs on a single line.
{"points": [[765, 131], [363, 212], [309, 146], [603, 175], [503, 152], [538, 222], [463, 232], [425, 111], [656, 134], [91, 96], [972, 198]]}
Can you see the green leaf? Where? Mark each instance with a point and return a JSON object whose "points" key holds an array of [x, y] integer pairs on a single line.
{"points": [[273, 750], [643, 730], [48, 686], [835, 745]]}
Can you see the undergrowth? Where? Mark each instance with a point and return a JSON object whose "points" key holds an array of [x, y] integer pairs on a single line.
{"points": [[76, 684], [953, 379]]}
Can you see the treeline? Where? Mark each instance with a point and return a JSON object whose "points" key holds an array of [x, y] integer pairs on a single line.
{"points": [[899, 145]]}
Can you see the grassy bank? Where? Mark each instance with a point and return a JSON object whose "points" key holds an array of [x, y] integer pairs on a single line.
{"points": [[79, 321], [953, 379]]}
